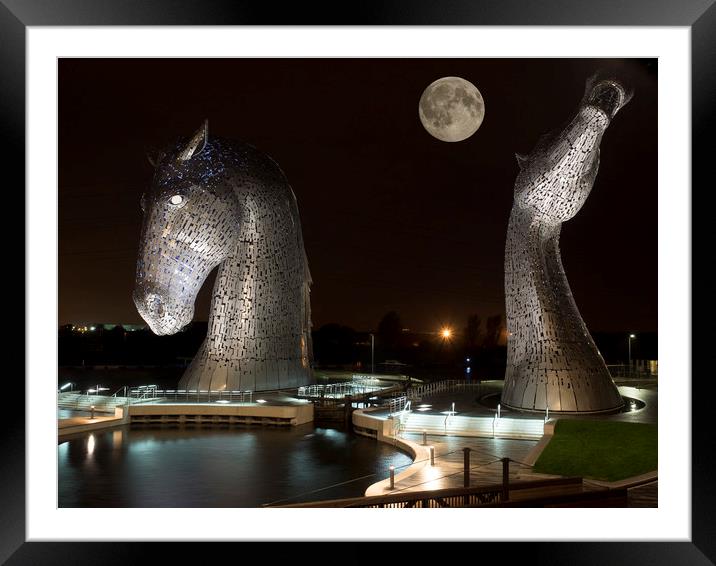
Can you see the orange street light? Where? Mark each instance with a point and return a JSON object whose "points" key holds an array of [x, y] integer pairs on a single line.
{"points": [[446, 333]]}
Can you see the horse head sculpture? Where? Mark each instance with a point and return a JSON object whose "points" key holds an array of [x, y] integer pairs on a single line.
{"points": [[552, 361], [215, 202]]}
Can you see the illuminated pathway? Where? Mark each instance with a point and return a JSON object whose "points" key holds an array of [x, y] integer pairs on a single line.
{"points": [[486, 469], [485, 455]]}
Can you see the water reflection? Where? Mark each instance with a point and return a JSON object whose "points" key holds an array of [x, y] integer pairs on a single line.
{"points": [[194, 467]]}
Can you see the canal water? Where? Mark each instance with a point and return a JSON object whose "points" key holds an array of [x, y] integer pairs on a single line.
{"points": [[230, 467]]}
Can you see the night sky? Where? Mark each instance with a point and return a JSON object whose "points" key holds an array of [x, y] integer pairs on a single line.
{"points": [[392, 218]]}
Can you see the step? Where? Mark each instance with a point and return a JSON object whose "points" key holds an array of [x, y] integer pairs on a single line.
{"points": [[475, 426]]}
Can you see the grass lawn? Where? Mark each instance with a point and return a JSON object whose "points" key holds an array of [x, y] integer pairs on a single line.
{"points": [[600, 450]]}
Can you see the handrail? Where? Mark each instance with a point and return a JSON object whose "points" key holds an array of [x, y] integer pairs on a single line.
{"points": [[440, 497], [450, 413], [401, 422], [145, 392], [123, 388], [397, 404], [337, 390], [439, 387]]}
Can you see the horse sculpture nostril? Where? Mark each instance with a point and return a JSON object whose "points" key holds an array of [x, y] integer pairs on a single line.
{"points": [[155, 306], [609, 96]]}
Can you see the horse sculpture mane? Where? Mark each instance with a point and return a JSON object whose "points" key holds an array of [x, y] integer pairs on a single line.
{"points": [[216, 202]]}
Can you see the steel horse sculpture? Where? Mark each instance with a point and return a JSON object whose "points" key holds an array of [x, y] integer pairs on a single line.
{"points": [[552, 361], [215, 202]]}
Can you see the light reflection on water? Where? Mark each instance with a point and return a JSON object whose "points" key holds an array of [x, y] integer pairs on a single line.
{"points": [[90, 445], [194, 467]]}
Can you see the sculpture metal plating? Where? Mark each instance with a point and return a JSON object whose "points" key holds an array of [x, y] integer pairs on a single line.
{"points": [[552, 361], [221, 203]]}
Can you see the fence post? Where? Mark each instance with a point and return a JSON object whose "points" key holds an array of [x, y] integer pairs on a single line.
{"points": [[392, 477], [466, 479], [348, 409], [505, 479]]}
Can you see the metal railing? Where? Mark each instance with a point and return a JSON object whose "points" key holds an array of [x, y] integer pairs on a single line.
{"points": [[337, 390], [82, 402], [150, 392], [123, 390], [639, 369], [495, 494], [450, 413], [404, 414], [397, 404], [442, 386]]}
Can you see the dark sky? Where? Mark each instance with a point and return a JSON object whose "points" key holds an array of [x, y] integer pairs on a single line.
{"points": [[393, 219]]}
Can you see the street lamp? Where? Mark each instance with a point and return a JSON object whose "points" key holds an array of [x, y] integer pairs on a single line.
{"points": [[631, 337], [446, 333], [372, 353]]}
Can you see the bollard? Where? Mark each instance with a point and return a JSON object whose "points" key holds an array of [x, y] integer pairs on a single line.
{"points": [[92, 412], [505, 479], [466, 473], [546, 414], [498, 410], [432, 455], [392, 477], [347, 409], [425, 437]]}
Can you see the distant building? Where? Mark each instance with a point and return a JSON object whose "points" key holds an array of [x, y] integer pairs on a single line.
{"points": [[83, 328]]}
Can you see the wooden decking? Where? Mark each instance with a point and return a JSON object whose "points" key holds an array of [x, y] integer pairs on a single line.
{"points": [[646, 495], [485, 467]]}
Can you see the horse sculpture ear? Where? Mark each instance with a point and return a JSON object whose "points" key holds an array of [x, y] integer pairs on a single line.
{"points": [[154, 155], [521, 160], [196, 143]]}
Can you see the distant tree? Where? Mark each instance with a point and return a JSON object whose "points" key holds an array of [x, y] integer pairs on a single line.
{"points": [[472, 331], [492, 331], [114, 344], [389, 331]]}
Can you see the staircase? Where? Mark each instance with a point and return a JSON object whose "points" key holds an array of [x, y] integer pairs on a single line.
{"points": [[505, 427], [80, 402]]}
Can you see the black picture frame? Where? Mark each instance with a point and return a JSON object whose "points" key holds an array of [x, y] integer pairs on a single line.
{"points": [[699, 15]]}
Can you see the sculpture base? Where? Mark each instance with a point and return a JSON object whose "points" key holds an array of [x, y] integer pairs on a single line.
{"points": [[616, 409], [208, 374]]}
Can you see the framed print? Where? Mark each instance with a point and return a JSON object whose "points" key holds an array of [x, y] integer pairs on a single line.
{"points": [[89, 87]]}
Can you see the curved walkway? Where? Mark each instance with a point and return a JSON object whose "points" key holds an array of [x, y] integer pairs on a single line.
{"points": [[448, 470], [486, 452]]}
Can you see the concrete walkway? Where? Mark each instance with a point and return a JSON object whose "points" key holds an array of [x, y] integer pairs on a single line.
{"points": [[486, 469], [76, 425]]}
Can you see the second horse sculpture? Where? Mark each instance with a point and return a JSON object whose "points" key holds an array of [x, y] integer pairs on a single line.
{"points": [[216, 202], [552, 361]]}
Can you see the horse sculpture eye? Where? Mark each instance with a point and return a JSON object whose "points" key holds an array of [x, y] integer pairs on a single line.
{"points": [[176, 200]]}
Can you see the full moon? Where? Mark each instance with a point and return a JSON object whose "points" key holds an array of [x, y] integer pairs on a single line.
{"points": [[451, 109]]}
